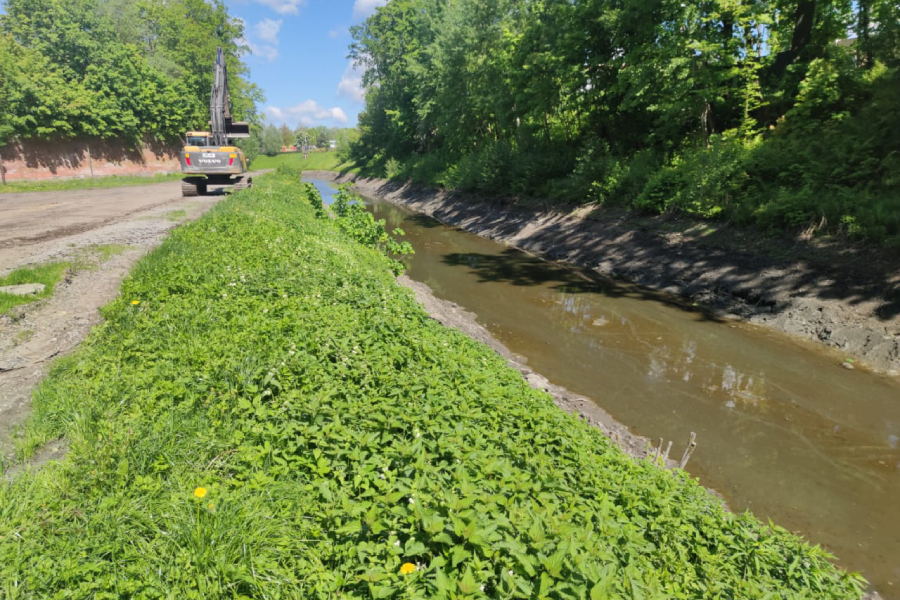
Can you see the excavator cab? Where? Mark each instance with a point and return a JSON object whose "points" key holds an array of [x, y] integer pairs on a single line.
{"points": [[197, 138]]}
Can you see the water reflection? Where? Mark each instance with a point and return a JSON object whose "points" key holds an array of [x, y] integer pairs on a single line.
{"points": [[783, 430]]}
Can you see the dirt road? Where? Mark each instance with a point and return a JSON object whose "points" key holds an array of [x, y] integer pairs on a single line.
{"points": [[102, 233]]}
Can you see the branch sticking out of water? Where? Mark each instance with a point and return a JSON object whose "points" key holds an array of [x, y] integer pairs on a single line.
{"points": [[688, 451]]}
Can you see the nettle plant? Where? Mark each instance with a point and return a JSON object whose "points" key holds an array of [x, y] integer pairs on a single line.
{"points": [[352, 217]]}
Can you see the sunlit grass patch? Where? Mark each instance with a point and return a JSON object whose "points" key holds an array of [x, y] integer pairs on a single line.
{"points": [[110, 181], [317, 161], [48, 274]]}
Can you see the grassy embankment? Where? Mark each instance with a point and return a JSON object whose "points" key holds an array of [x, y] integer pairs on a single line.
{"points": [[265, 413], [317, 161], [110, 181]]}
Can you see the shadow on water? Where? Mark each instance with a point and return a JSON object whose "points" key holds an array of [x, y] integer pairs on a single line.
{"points": [[424, 221], [518, 268], [783, 429]]}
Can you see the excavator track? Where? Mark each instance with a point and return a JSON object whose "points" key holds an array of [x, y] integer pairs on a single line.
{"points": [[243, 185], [188, 189], [192, 188]]}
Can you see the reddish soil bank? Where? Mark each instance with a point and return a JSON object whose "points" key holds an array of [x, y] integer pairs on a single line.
{"points": [[847, 297]]}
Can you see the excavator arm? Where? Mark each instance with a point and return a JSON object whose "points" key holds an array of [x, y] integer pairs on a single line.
{"points": [[223, 128]]}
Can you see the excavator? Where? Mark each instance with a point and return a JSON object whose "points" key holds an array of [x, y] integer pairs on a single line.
{"points": [[209, 158]]}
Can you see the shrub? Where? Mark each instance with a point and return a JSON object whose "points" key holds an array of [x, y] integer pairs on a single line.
{"points": [[700, 182]]}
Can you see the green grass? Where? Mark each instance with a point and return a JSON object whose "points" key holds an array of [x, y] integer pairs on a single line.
{"points": [[317, 161], [176, 215], [110, 181], [265, 413], [48, 274], [89, 258], [107, 251]]}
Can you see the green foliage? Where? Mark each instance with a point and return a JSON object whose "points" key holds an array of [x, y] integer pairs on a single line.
{"points": [[660, 106], [115, 68], [700, 183], [338, 433], [270, 141], [289, 170], [251, 146], [314, 198], [49, 274], [360, 225]]}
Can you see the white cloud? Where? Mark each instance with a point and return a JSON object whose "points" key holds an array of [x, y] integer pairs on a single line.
{"points": [[267, 30], [283, 7], [336, 32], [364, 8], [307, 113], [350, 85], [264, 51]]}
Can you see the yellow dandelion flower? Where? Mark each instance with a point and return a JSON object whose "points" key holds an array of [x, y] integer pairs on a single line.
{"points": [[200, 492], [407, 568], [210, 507], [135, 302]]}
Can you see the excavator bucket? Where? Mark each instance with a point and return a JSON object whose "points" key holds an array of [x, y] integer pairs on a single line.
{"points": [[237, 129]]}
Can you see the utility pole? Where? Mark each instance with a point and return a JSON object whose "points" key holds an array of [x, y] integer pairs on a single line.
{"points": [[2, 172]]}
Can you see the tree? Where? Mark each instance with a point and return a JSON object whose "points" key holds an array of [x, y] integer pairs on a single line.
{"points": [[287, 136], [271, 140], [121, 68]]}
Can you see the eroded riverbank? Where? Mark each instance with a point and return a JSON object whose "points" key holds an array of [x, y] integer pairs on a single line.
{"points": [[847, 300], [784, 430]]}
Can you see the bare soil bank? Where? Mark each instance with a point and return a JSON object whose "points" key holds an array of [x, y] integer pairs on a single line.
{"points": [[845, 297]]}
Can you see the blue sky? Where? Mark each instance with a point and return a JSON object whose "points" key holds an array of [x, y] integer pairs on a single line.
{"points": [[299, 58]]}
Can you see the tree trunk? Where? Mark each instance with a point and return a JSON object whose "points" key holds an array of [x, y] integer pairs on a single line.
{"points": [[727, 27], [804, 17], [706, 122], [864, 52], [2, 171], [803, 25]]}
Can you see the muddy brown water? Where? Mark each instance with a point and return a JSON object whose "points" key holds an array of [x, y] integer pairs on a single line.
{"points": [[783, 429]]}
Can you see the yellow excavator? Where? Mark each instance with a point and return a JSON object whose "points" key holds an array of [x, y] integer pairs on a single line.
{"points": [[209, 157]]}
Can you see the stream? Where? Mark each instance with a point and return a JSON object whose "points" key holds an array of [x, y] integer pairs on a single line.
{"points": [[783, 429]]}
